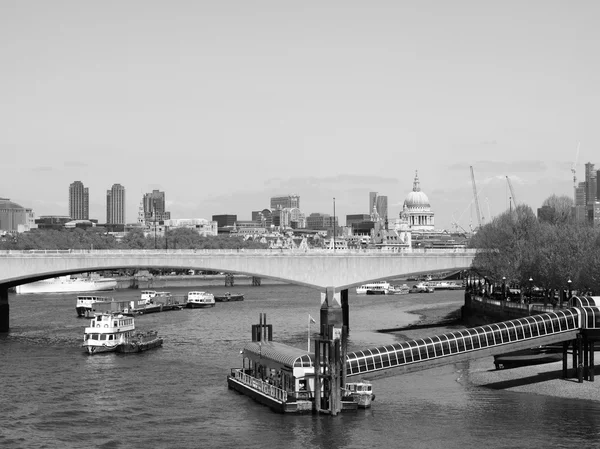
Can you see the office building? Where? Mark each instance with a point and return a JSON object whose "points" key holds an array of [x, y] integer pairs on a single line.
{"points": [[224, 220], [319, 221], [356, 218], [154, 206], [283, 202], [380, 203], [115, 205], [79, 201]]}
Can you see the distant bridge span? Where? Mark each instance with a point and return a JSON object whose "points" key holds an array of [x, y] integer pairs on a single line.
{"points": [[320, 269]]}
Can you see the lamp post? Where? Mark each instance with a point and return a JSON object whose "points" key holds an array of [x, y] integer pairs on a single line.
{"points": [[504, 288], [333, 224], [530, 289], [569, 291]]}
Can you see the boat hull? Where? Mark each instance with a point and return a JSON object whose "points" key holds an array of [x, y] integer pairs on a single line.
{"points": [[140, 346], [227, 298], [195, 305], [99, 349]]}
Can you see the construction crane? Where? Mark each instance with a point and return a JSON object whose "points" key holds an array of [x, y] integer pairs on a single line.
{"points": [[512, 192], [475, 198], [574, 171]]}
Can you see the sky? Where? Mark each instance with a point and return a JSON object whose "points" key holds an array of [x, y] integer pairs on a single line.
{"points": [[224, 104]]}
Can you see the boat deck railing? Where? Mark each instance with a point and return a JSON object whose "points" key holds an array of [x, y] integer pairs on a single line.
{"points": [[260, 385]]}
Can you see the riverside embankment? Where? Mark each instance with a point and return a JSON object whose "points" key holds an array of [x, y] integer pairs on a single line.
{"points": [[208, 280]]}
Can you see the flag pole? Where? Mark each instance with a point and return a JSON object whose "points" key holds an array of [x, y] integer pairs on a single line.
{"points": [[308, 333]]}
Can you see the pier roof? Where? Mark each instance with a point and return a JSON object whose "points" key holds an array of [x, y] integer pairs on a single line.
{"points": [[278, 352]]}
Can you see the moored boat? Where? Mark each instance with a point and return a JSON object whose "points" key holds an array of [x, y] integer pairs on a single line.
{"points": [[373, 288], [360, 392], [68, 284], [200, 300], [422, 287], [399, 289], [229, 297], [86, 303]]}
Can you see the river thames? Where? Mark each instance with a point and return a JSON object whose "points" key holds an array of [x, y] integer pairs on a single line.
{"points": [[54, 395]]}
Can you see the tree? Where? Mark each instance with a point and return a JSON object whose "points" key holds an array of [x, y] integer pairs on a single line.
{"points": [[561, 207]]}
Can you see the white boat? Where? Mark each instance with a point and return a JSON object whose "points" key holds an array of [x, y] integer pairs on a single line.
{"points": [[196, 300], [106, 332], [361, 392], [378, 287], [68, 284], [422, 287], [399, 289], [85, 303], [111, 332]]}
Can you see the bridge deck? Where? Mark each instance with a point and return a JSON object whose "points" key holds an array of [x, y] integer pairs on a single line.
{"points": [[467, 344]]}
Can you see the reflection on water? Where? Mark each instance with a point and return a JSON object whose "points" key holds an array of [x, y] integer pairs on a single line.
{"points": [[54, 395]]}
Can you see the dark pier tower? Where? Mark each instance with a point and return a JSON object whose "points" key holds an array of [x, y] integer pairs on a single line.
{"points": [[330, 352], [4, 309]]}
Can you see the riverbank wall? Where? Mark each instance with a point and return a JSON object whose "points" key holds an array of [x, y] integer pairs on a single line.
{"points": [[154, 282], [478, 311]]}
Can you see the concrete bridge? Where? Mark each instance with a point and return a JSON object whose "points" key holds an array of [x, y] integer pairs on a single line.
{"points": [[330, 271]]}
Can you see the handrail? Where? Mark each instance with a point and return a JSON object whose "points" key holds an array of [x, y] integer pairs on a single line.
{"points": [[260, 385], [238, 252]]}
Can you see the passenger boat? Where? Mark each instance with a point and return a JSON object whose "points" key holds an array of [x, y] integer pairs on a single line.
{"points": [[106, 332], [85, 303], [360, 392], [229, 297], [198, 300], [68, 284], [374, 287], [109, 332]]}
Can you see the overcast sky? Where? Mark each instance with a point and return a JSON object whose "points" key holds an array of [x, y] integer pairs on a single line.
{"points": [[223, 104]]}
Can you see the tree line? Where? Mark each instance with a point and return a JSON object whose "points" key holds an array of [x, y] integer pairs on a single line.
{"points": [[550, 251], [79, 238]]}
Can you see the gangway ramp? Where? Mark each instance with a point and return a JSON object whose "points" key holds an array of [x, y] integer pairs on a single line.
{"points": [[466, 344]]}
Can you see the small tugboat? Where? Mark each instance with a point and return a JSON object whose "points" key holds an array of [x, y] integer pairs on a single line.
{"points": [[229, 297], [200, 300], [109, 332], [360, 392]]}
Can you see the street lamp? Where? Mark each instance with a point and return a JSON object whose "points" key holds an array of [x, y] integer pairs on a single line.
{"points": [[530, 289], [569, 289], [504, 287], [333, 223]]}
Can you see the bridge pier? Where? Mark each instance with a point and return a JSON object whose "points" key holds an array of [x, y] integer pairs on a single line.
{"points": [[330, 351], [4, 310]]}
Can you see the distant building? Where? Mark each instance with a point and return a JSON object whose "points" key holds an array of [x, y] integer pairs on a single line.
{"points": [[79, 201], [416, 206], [52, 221], [319, 221], [154, 206], [200, 225], [288, 201], [356, 218], [224, 220], [115, 205], [263, 217], [15, 218]]}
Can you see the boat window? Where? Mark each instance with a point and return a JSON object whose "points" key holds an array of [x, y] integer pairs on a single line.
{"points": [[115, 324], [95, 336]]}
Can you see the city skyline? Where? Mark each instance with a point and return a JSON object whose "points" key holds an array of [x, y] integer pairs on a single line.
{"points": [[223, 110]]}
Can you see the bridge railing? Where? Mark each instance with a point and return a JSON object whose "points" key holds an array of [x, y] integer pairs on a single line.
{"points": [[236, 251]]}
